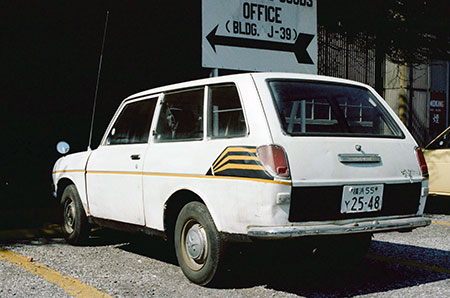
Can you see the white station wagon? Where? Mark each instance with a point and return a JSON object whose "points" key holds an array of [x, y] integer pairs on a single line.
{"points": [[258, 156]]}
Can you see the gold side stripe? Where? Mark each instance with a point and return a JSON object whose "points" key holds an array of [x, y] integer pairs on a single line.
{"points": [[232, 166], [193, 176], [236, 157], [70, 285], [115, 172], [68, 171], [176, 175], [234, 149], [408, 263]]}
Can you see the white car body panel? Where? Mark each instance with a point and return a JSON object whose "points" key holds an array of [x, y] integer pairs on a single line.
{"points": [[73, 168], [114, 183]]}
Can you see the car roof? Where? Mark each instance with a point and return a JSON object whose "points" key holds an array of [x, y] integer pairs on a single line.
{"points": [[229, 78]]}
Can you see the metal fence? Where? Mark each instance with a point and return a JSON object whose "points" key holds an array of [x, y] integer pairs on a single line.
{"points": [[342, 57]]}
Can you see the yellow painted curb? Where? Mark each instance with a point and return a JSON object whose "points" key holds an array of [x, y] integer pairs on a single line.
{"points": [[70, 285]]}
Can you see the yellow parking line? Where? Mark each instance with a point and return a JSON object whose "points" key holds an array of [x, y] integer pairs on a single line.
{"points": [[69, 284], [408, 263], [440, 223]]}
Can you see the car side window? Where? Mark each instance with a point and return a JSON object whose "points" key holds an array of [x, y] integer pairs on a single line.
{"points": [[225, 114], [181, 117], [133, 124], [443, 142]]}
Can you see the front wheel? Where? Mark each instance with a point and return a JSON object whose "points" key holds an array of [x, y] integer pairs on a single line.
{"points": [[198, 245], [75, 227]]}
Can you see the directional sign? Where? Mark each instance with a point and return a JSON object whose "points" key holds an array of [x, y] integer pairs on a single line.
{"points": [[260, 35]]}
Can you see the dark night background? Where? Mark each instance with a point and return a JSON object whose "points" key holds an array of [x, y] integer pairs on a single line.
{"points": [[49, 54]]}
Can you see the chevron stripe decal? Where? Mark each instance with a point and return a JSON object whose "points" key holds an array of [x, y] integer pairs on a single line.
{"points": [[239, 161]]}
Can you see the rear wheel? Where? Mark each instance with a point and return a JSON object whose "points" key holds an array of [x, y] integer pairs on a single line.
{"points": [[75, 227], [198, 245]]}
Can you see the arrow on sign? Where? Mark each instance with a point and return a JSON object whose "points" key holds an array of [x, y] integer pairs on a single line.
{"points": [[298, 48]]}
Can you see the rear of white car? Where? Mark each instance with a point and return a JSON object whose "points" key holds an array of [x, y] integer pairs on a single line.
{"points": [[354, 167]]}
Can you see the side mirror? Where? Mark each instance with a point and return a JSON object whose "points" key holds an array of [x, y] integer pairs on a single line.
{"points": [[62, 147]]}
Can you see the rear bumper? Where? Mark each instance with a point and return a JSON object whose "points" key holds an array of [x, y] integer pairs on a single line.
{"points": [[338, 228]]}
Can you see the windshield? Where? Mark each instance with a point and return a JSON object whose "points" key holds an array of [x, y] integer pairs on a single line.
{"points": [[311, 108]]}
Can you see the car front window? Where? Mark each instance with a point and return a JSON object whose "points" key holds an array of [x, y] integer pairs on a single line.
{"points": [[133, 124]]}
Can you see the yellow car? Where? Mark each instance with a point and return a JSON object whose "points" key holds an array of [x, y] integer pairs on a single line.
{"points": [[437, 156]]}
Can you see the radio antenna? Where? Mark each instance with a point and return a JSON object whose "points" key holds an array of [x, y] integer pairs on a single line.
{"points": [[98, 81]]}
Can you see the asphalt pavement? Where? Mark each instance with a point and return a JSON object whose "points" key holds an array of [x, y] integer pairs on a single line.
{"points": [[415, 264]]}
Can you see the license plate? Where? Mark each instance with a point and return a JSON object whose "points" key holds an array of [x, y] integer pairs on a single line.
{"points": [[362, 198]]}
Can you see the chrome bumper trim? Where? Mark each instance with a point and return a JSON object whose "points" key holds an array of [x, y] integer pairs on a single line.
{"points": [[370, 226]]}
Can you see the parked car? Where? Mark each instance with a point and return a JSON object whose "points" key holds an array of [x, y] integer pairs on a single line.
{"points": [[437, 156], [259, 156]]}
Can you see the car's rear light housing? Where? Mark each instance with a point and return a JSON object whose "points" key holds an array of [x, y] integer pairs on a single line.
{"points": [[422, 163], [274, 160]]}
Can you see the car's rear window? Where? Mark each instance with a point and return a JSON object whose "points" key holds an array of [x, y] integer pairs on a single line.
{"points": [[311, 108]]}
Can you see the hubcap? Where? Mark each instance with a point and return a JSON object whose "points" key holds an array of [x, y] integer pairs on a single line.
{"points": [[69, 216], [195, 244]]}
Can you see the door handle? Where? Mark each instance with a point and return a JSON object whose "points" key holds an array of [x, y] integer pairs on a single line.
{"points": [[135, 156]]}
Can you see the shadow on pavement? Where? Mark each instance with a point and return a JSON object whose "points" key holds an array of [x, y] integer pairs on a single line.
{"points": [[151, 247], [278, 269], [27, 218], [373, 275], [438, 205]]}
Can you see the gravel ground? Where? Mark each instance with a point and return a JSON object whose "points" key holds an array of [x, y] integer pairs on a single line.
{"points": [[15, 282], [125, 266]]}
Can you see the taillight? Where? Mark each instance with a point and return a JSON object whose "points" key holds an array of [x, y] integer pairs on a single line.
{"points": [[422, 162], [274, 160]]}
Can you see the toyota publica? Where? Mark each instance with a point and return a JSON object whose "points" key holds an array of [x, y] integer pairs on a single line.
{"points": [[246, 157]]}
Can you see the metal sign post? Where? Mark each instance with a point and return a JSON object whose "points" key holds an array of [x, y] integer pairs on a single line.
{"points": [[260, 35]]}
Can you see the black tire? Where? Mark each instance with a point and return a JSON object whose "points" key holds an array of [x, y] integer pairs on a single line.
{"points": [[75, 227], [198, 245]]}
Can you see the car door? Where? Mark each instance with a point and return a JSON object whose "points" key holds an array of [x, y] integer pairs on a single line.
{"points": [[437, 156], [114, 170]]}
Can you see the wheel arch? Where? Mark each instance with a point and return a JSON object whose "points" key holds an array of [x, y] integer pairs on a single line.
{"points": [[173, 206], [62, 184]]}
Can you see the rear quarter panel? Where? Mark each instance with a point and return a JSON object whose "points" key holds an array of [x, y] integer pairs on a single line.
{"points": [[172, 166]]}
